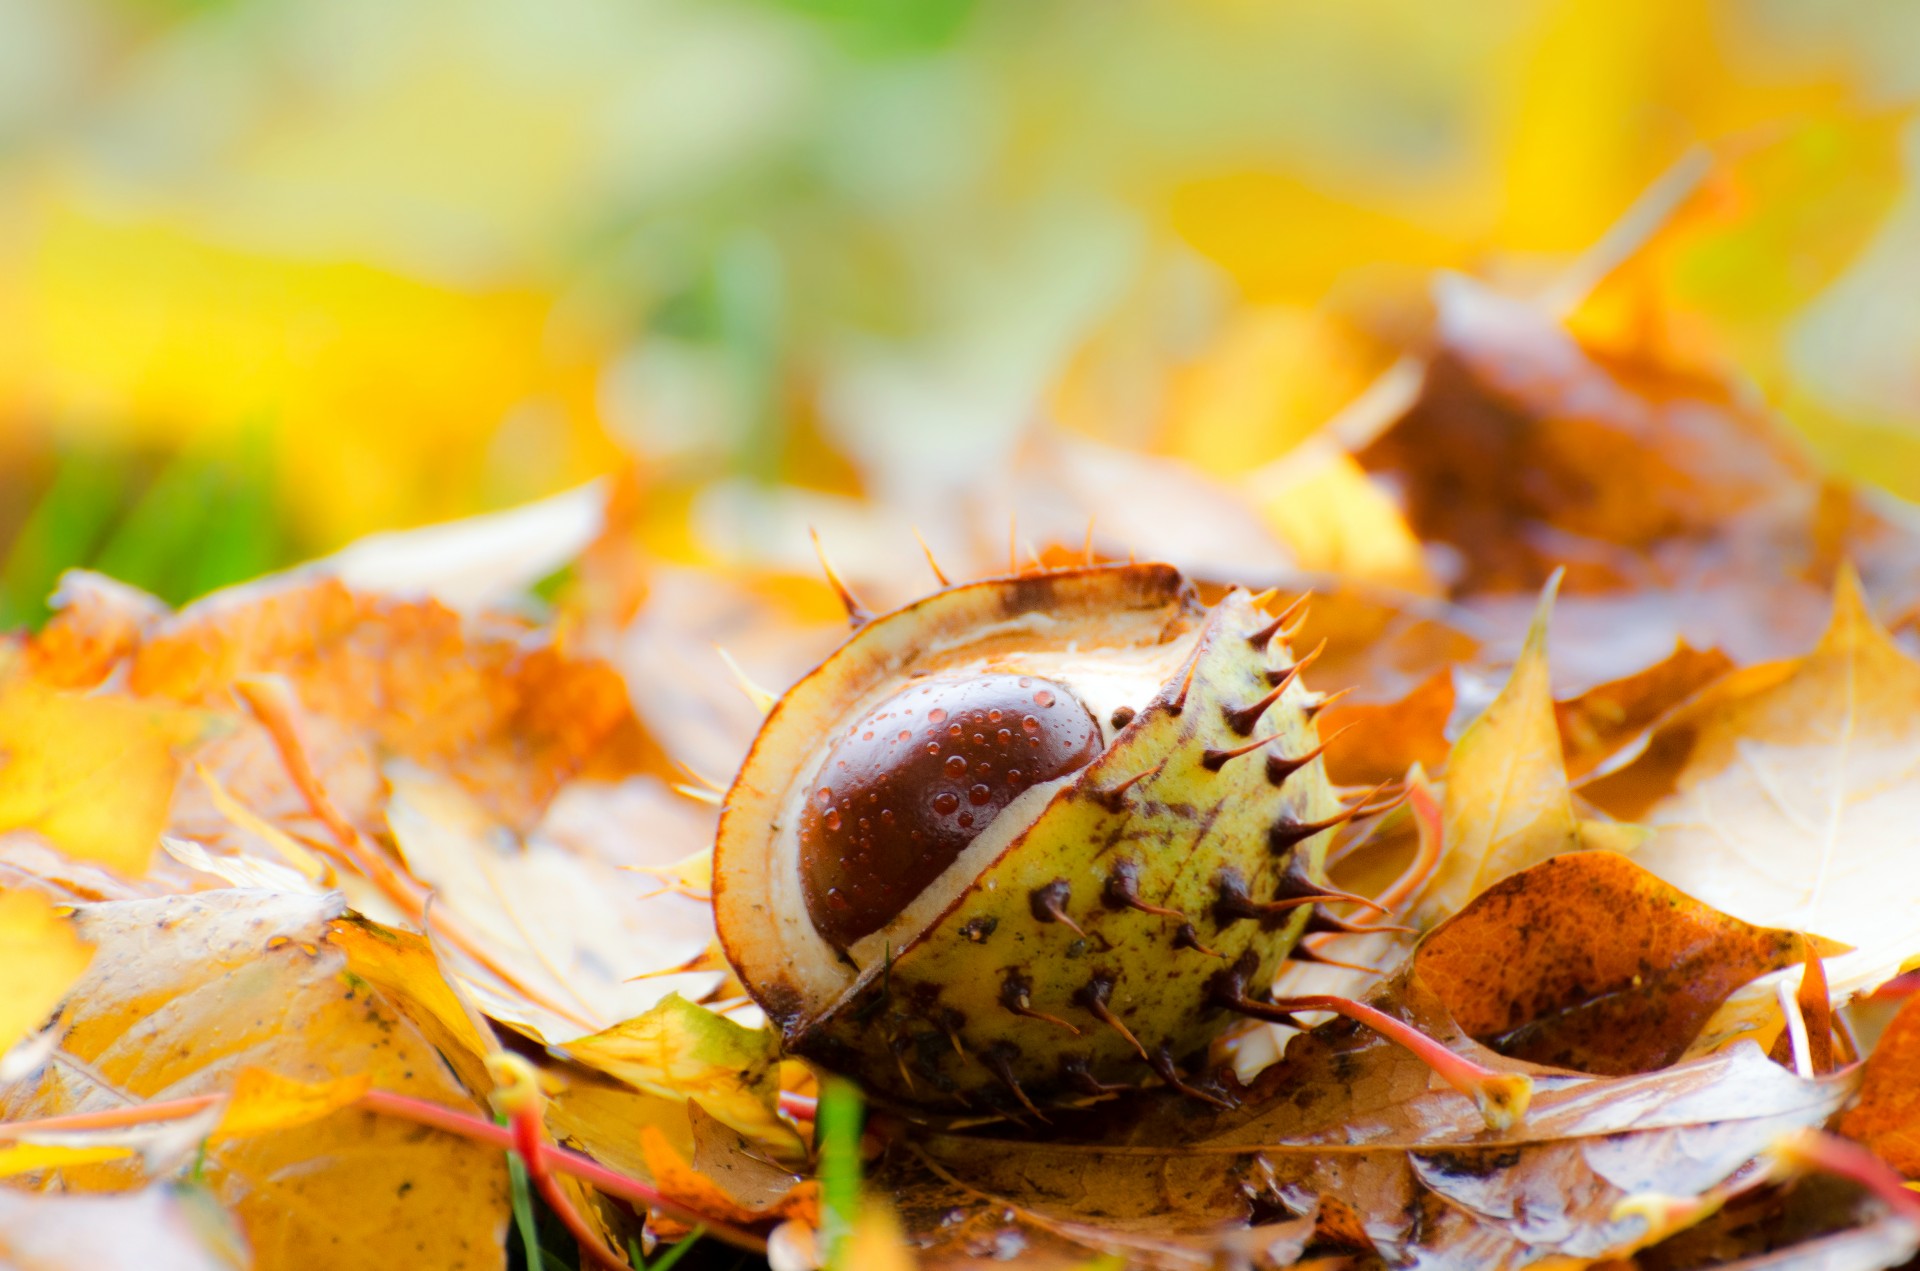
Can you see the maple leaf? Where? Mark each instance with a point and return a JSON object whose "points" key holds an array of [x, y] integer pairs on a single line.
{"points": [[567, 935], [1781, 795]]}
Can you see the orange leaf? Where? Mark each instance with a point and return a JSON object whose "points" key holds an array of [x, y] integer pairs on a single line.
{"points": [[1887, 1117]]}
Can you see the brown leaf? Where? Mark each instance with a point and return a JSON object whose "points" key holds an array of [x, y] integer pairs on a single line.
{"points": [[1526, 450], [1370, 743], [508, 712], [1887, 1117], [1588, 961], [1353, 1119], [1605, 718]]}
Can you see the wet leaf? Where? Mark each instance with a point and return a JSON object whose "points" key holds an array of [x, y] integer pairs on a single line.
{"points": [[1405, 1164]]}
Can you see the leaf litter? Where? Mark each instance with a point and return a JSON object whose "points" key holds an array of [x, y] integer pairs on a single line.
{"points": [[261, 859]]}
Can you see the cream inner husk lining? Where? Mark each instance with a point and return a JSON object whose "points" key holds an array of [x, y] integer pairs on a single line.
{"points": [[1103, 677]]}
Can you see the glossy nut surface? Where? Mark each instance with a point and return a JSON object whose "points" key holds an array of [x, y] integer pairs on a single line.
{"points": [[913, 781]]}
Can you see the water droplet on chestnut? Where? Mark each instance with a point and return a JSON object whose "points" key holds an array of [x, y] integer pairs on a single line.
{"points": [[857, 874]]}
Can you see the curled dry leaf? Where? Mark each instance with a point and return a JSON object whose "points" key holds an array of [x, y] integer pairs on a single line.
{"points": [[186, 992], [1784, 795], [1507, 803], [680, 1050]]}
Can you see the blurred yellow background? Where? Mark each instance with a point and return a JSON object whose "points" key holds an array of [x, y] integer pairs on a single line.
{"points": [[275, 274]]}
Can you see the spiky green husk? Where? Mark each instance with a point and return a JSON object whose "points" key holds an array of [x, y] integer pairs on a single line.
{"points": [[1081, 955]]}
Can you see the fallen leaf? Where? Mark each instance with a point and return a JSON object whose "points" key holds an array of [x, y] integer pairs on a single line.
{"points": [[97, 623], [1589, 961], [680, 1050], [1781, 795], [1360, 1132], [1335, 520], [187, 992], [263, 1101], [1507, 804], [102, 793], [1887, 1117], [1359, 1124], [724, 1179], [1369, 743], [35, 1158], [571, 931], [513, 715], [1526, 449], [40, 958], [1608, 717]]}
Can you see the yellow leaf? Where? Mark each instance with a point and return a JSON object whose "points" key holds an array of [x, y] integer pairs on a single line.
{"points": [[27, 1158], [1507, 805], [876, 1242], [701, 1188], [1337, 520], [40, 958], [1269, 381], [93, 774], [681, 1050], [1252, 223], [248, 821], [186, 991], [1785, 795], [263, 1101]]}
